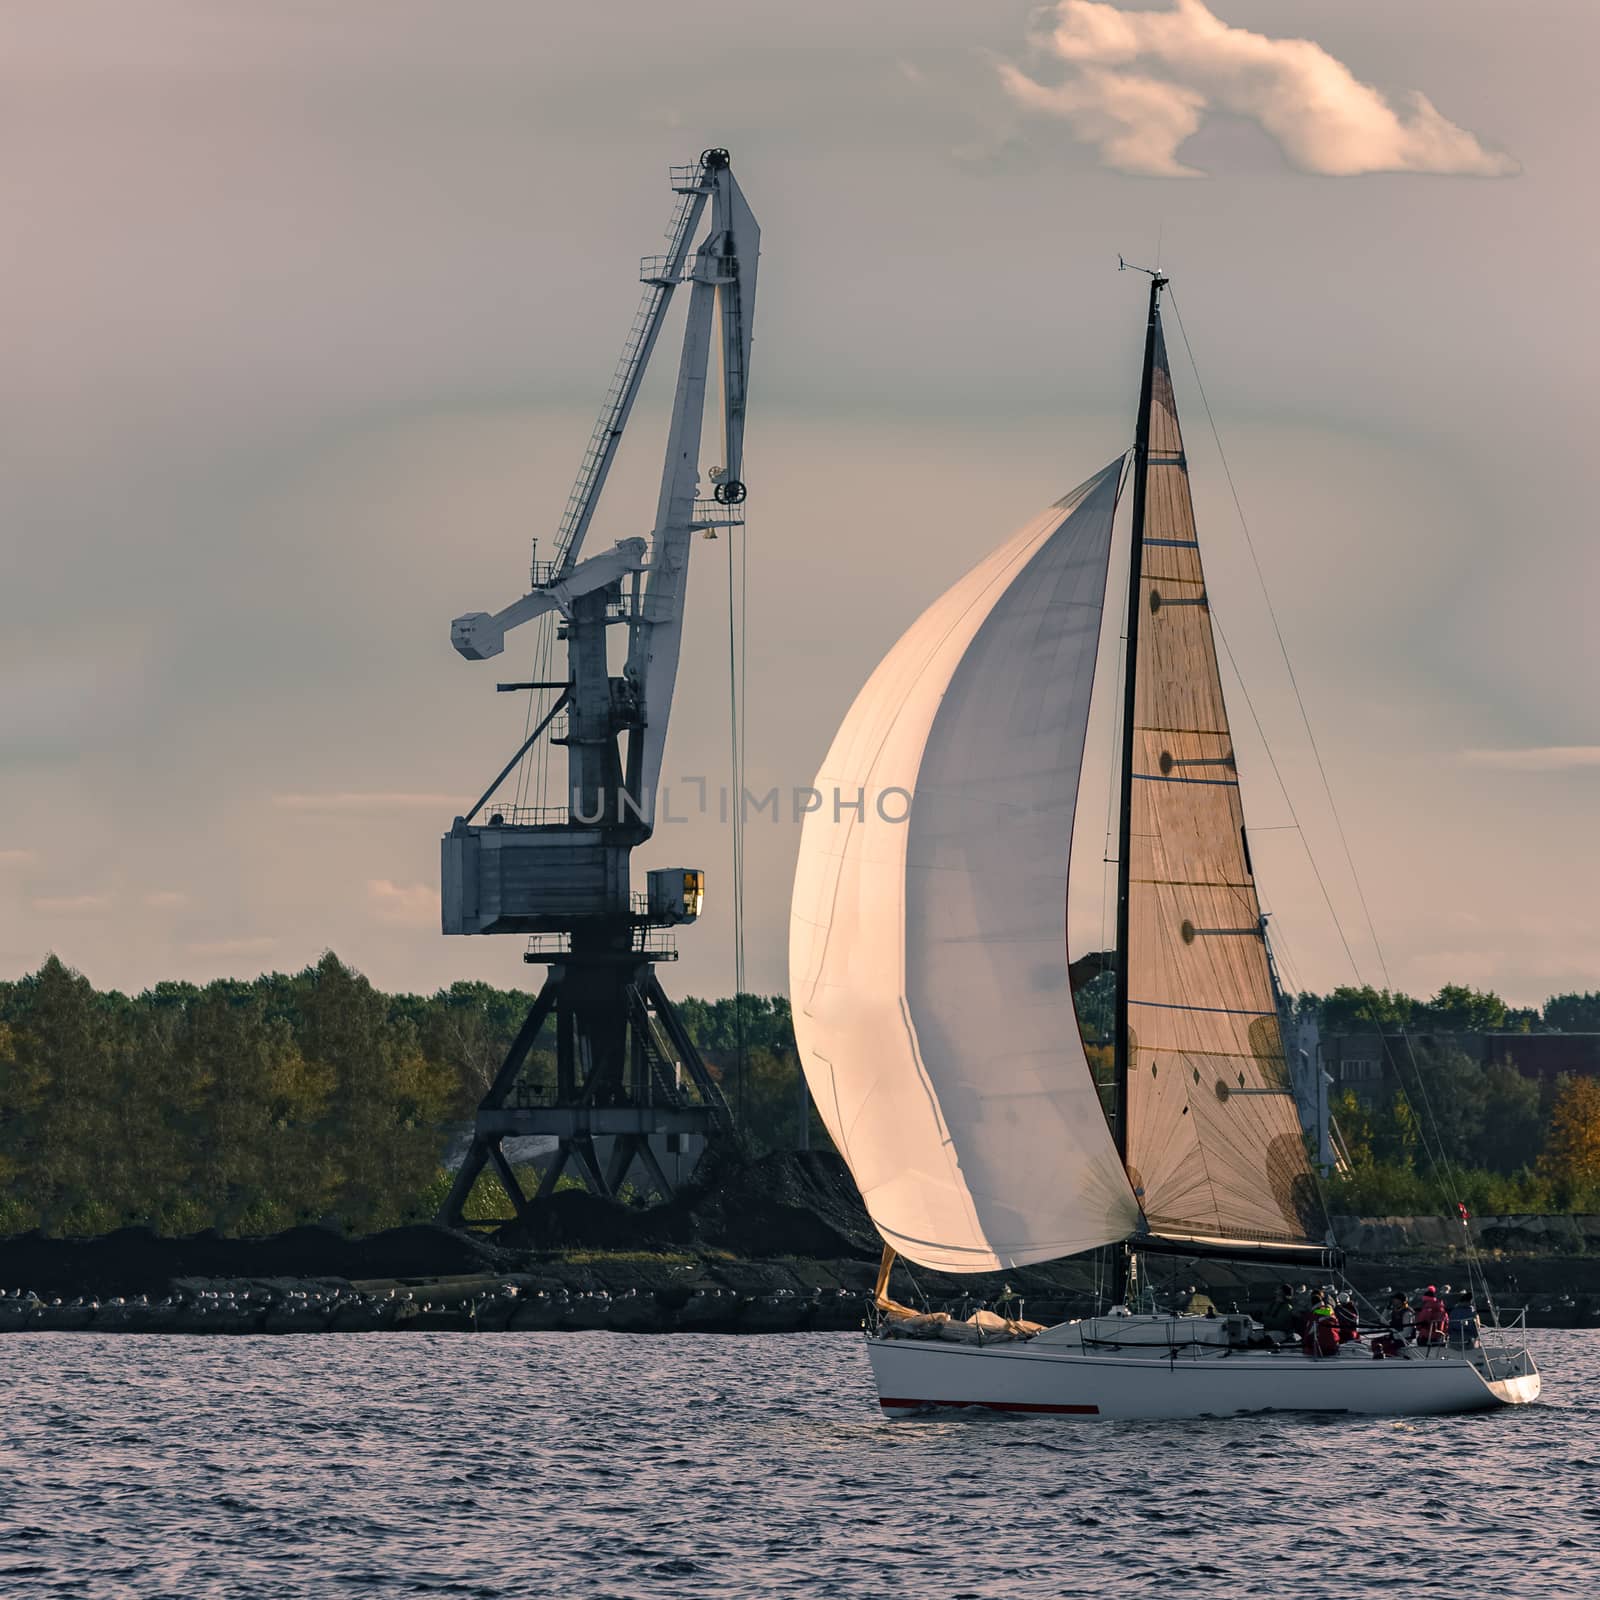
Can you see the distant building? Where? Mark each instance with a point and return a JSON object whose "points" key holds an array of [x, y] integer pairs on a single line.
{"points": [[1364, 1063], [1311, 1081]]}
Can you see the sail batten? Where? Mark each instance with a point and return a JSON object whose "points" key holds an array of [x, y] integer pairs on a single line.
{"points": [[928, 960]]}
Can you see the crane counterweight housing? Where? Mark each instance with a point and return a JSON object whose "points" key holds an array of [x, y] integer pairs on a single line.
{"points": [[629, 1086]]}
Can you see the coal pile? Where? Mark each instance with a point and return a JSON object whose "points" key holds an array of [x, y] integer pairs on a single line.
{"points": [[789, 1204], [784, 1206], [135, 1261]]}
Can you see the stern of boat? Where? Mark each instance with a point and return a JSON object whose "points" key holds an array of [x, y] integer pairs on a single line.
{"points": [[1512, 1378], [1505, 1365]]}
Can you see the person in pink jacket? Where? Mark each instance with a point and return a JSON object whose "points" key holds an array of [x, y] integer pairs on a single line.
{"points": [[1433, 1321]]}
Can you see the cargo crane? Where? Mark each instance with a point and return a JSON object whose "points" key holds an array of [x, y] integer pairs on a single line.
{"points": [[630, 1087]]}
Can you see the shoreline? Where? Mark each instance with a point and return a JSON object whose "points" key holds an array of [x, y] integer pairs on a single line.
{"points": [[662, 1293], [779, 1246]]}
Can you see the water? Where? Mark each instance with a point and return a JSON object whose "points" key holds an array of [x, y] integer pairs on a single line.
{"points": [[607, 1465]]}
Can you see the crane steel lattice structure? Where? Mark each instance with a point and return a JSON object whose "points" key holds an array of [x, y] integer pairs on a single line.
{"points": [[627, 1073]]}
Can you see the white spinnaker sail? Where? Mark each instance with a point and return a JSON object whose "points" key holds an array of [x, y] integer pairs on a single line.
{"points": [[928, 958]]}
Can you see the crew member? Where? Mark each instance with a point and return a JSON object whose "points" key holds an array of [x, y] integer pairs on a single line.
{"points": [[1349, 1318], [1321, 1337], [1281, 1319], [1433, 1321], [1402, 1320]]}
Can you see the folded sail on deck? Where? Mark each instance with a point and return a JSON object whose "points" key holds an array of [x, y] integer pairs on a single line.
{"points": [[928, 957], [1213, 1138]]}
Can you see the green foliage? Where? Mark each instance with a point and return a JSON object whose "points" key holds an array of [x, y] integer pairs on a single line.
{"points": [[1573, 1013], [242, 1106], [1458, 1008], [1349, 1009], [1514, 1121], [1494, 1141], [764, 1019], [1398, 1190], [1377, 1136], [1096, 1003], [1571, 1158], [252, 1106], [764, 1082]]}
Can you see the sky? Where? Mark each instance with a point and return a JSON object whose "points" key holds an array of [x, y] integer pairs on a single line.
{"points": [[309, 310]]}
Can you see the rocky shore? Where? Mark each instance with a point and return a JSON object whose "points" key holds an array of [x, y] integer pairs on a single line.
{"points": [[780, 1245]]}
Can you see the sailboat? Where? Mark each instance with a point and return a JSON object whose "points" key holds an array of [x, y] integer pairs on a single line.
{"points": [[933, 1005]]}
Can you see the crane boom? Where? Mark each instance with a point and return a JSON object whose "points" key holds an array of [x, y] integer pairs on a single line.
{"points": [[724, 270], [689, 183], [722, 279]]}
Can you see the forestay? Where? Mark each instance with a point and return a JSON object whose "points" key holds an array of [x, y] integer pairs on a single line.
{"points": [[928, 957], [1214, 1142]]}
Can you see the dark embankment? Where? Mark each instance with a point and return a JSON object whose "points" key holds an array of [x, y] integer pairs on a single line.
{"points": [[780, 1244]]}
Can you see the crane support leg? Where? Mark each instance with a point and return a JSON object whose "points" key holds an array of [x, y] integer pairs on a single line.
{"points": [[631, 1098]]}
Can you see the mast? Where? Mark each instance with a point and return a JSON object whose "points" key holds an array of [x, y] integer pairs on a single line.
{"points": [[1120, 1051]]}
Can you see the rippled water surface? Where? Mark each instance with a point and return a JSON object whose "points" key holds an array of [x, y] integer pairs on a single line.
{"points": [[608, 1465]]}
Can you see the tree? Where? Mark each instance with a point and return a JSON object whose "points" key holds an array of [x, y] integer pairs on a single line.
{"points": [[469, 1027], [1458, 1008], [1096, 1002], [385, 1097], [1357, 1124], [1446, 1091], [1571, 1156], [1573, 1013], [60, 1120], [1349, 1009], [259, 1162], [715, 1024], [1513, 1121]]}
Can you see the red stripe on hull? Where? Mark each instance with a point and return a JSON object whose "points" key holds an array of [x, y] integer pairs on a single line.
{"points": [[989, 1405]]}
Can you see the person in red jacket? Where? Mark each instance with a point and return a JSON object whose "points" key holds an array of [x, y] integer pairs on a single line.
{"points": [[1321, 1337], [1433, 1321]]}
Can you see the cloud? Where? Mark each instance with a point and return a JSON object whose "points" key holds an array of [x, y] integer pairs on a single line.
{"points": [[17, 858], [1140, 82], [383, 801], [411, 905], [231, 947], [1542, 758], [166, 900], [72, 905]]}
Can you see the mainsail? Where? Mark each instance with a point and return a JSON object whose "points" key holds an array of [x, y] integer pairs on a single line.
{"points": [[928, 956], [1213, 1141]]}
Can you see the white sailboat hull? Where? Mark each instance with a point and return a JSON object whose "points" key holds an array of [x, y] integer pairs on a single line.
{"points": [[919, 1375]]}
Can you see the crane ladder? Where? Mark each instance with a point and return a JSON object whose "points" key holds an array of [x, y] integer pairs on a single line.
{"points": [[692, 186]]}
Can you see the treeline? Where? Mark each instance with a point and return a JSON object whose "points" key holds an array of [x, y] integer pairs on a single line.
{"points": [[252, 1106], [1446, 1128], [1449, 1129], [1456, 1008]]}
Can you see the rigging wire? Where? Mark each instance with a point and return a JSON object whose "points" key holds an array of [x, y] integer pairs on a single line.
{"points": [[1283, 648], [533, 771], [1438, 1156], [737, 591]]}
